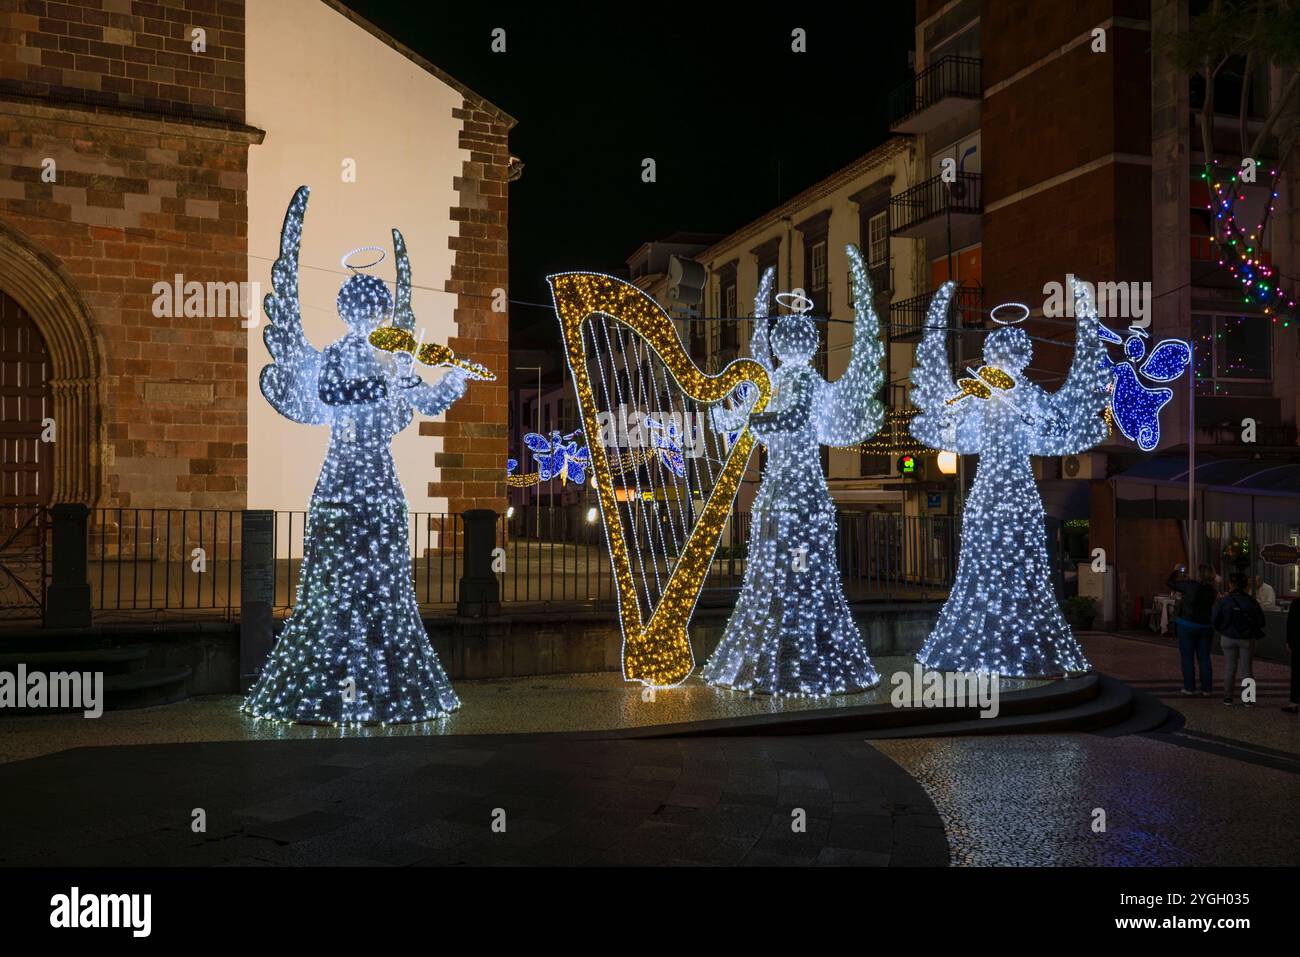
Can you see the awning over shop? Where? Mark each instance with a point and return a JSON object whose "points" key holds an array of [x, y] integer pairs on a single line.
{"points": [[1228, 490], [1065, 498]]}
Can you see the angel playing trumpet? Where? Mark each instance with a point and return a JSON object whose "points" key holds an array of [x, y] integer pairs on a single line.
{"points": [[355, 649]]}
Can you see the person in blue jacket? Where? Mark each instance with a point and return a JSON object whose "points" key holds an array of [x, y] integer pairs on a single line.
{"points": [[1195, 633]]}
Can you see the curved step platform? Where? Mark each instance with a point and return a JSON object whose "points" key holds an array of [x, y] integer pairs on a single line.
{"points": [[1092, 703]]}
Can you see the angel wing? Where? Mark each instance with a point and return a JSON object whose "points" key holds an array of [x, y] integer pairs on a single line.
{"points": [[848, 411], [1073, 421], [403, 315], [290, 381], [953, 428], [758, 342]]}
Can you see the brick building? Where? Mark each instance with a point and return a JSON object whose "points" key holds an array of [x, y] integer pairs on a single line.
{"points": [[1076, 146], [129, 134]]}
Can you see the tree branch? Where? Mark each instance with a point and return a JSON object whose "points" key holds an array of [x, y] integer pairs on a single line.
{"points": [[1278, 108]]}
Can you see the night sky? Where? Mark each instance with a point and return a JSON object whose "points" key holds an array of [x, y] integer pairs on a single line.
{"points": [[711, 91]]}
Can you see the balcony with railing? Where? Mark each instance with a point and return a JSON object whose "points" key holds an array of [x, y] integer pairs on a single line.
{"points": [[936, 209], [907, 316], [939, 93]]}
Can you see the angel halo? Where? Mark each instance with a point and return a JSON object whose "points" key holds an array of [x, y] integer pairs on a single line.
{"points": [[354, 650]]}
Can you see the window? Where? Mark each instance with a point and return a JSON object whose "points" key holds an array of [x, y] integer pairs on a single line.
{"points": [[873, 464], [730, 328], [1234, 355], [817, 278], [878, 239], [697, 339]]}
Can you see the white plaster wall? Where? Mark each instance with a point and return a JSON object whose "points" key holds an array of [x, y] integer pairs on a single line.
{"points": [[324, 90]]}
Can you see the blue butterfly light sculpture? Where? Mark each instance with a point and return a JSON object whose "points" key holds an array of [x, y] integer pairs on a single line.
{"points": [[1134, 407], [558, 456]]}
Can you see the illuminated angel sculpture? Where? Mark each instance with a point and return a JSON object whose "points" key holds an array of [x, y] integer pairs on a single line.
{"points": [[1002, 614], [355, 649], [792, 631]]}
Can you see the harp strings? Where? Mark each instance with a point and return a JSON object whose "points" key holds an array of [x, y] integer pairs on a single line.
{"points": [[602, 356], [656, 508]]}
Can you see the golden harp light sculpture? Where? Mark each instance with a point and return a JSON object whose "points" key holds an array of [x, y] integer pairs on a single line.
{"points": [[656, 645]]}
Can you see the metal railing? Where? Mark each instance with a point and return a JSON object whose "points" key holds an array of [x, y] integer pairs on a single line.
{"points": [[948, 76], [934, 197], [187, 562], [907, 317], [24, 552]]}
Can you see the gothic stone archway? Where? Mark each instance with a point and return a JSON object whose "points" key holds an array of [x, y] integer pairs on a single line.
{"points": [[38, 285]]}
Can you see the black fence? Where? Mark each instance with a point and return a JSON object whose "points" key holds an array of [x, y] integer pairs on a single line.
{"points": [[934, 197], [907, 317], [948, 76], [187, 562], [24, 559]]}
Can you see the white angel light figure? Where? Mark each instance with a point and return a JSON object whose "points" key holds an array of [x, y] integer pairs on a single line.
{"points": [[355, 648], [1002, 614], [792, 631]]}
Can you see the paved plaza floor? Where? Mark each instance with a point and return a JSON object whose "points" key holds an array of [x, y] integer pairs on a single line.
{"points": [[1217, 785]]}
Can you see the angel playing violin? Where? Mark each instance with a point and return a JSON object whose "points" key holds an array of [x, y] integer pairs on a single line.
{"points": [[792, 631], [355, 648], [1002, 615]]}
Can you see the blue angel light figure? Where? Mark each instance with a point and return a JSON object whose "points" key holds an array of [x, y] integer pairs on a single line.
{"points": [[559, 456], [1134, 406], [355, 649], [1002, 615], [792, 631], [666, 439]]}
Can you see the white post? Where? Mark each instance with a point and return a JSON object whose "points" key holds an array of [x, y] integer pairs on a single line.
{"points": [[1191, 460]]}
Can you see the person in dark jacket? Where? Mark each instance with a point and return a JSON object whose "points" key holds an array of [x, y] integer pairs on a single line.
{"points": [[1193, 624], [1240, 623], [1293, 642]]}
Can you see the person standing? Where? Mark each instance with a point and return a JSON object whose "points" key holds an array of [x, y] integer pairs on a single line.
{"points": [[1293, 642], [1193, 625], [1264, 593], [1240, 623]]}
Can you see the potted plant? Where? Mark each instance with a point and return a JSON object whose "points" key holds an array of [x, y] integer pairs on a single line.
{"points": [[1080, 611], [1237, 553]]}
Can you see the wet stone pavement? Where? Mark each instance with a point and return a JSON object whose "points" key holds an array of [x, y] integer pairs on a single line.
{"points": [[403, 801], [1222, 788], [1215, 786]]}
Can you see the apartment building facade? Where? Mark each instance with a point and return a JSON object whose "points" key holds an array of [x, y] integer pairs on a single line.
{"points": [[804, 241], [1075, 142]]}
